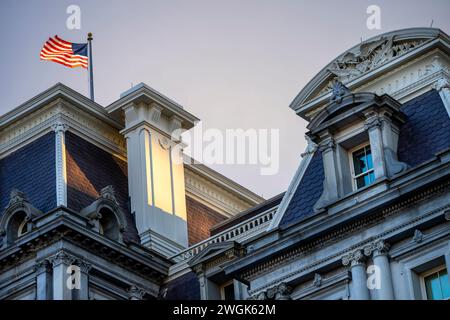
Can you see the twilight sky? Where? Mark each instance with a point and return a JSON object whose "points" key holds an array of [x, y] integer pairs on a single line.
{"points": [[233, 63]]}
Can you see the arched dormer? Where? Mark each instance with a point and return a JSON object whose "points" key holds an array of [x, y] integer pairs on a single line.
{"points": [[106, 215], [357, 134], [16, 219]]}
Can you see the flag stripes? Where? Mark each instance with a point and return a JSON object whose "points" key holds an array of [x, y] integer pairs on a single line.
{"points": [[69, 54]]}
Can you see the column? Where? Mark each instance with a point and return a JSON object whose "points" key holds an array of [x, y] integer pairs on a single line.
{"points": [[60, 160], [373, 126], [356, 261], [43, 271], [379, 251], [331, 184], [61, 263], [83, 293]]}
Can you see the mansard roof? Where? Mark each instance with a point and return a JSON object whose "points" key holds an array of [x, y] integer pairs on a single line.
{"points": [[425, 133]]}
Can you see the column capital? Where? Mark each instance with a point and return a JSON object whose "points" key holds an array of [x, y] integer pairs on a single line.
{"points": [[373, 122], [377, 248], [354, 258], [62, 258], [60, 127], [135, 293], [84, 266], [327, 145], [43, 266], [442, 83]]}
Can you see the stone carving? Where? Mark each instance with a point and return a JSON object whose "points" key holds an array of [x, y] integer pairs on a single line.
{"points": [[280, 291], [310, 148], [109, 193], [62, 258], [317, 282], [377, 248], [16, 196], [43, 266], [418, 236], [339, 91], [135, 293], [353, 258], [369, 56]]}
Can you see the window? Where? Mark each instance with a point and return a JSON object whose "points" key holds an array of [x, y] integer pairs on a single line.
{"points": [[227, 291], [108, 225], [436, 283], [23, 228], [362, 165]]}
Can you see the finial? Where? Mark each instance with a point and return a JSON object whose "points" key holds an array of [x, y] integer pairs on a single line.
{"points": [[90, 36]]}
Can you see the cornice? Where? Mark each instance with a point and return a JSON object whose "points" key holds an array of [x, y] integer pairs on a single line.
{"points": [[60, 111], [348, 229]]}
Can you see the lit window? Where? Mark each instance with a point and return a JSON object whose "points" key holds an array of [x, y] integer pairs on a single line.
{"points": [[227, 291], [363, 174], [437, 285]]}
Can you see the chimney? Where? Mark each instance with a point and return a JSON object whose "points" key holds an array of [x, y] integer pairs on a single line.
{"points": [[155, 166]]}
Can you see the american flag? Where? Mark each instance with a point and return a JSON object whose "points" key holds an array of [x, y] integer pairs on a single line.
{"points": [[69, 54]]}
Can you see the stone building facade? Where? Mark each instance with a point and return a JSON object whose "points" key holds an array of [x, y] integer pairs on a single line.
{"points": [[96, 195]]}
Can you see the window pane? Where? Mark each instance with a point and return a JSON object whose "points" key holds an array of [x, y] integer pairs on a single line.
{"points": [[359, 161], [445, 285], [369, 158], [433, 287]]}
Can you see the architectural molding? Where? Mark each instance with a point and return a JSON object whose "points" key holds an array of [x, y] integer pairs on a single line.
{"points": [[402, 76], [349, 253], [212, 195], [35, 118]]}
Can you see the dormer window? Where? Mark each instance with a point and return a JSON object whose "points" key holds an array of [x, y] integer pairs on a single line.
{"points": [[362, 167], [23, 228], [357, 135]]}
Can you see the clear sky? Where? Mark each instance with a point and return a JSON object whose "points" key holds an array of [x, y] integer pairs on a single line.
{"points": [[234, 64]]}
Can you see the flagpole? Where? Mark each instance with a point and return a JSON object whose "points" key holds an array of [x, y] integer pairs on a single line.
{"points": [[91, 67]]}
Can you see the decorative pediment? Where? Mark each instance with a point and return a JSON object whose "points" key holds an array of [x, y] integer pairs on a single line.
{"points": [[359, 65], [345, 107], [215, 254]]}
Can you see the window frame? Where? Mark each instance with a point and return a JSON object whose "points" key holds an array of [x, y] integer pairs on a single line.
{"points": [[352, 165], [423, 286], [222, 289]]}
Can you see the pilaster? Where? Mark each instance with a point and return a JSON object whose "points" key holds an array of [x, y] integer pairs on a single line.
{"points": [[61, 166]]}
